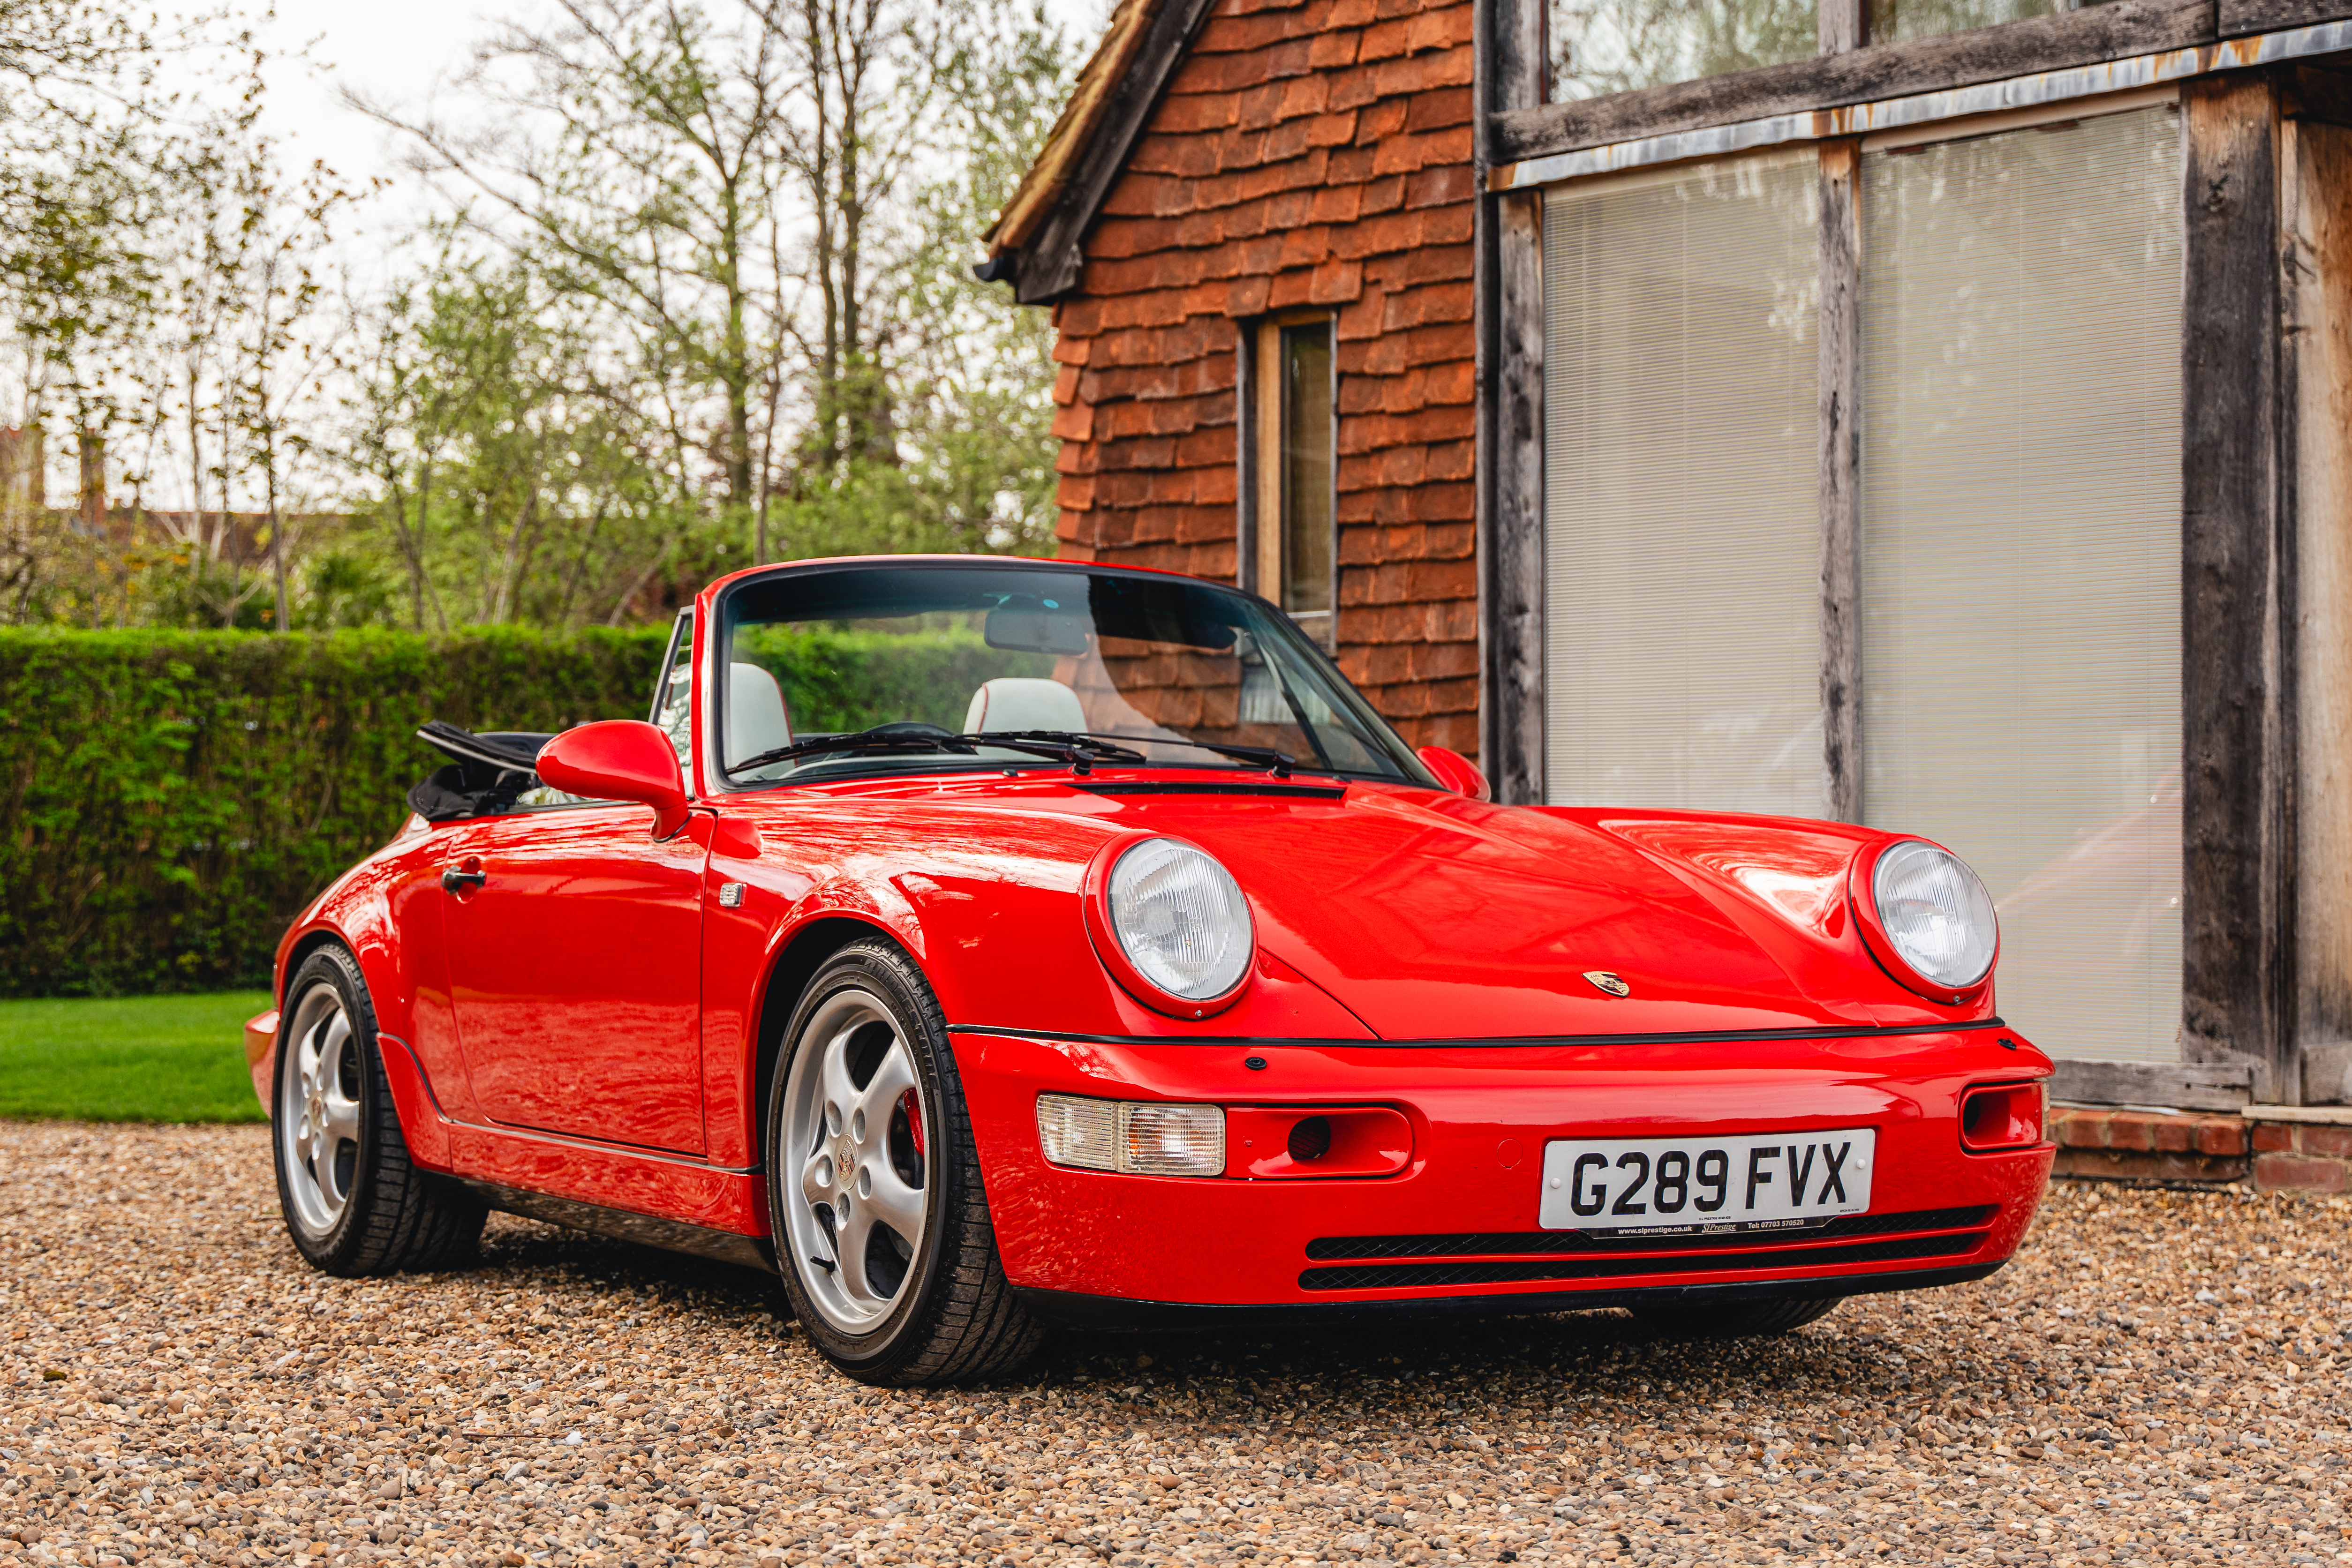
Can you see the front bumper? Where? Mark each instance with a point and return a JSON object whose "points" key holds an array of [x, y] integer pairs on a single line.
{"points": [[1456, 1229]]}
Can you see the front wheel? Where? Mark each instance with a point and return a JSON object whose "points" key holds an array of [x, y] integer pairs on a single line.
{"points": [[1736, 1320], [881, 1222], [354, 1202]]}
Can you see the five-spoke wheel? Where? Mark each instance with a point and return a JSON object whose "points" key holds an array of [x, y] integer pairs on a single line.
{"points": [[354, 1202], [857, 1118], [881, 1220], [318, 1128]]}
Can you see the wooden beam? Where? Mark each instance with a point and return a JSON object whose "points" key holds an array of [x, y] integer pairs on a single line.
{"points": [[1511, 535], [1520, 75], [1866, 75], [2204, 1086], [1254, 458], [2327, 1072], [1838, 430], [2314, 92], [1842, 22], [1050, 263], [1513, 72], [2236, 867]]}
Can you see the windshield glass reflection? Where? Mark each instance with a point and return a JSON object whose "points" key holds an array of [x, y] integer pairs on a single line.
{"points": [[911, 659]]}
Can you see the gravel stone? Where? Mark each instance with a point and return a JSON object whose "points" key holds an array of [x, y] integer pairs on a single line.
{"points": [[2159, 1378]]}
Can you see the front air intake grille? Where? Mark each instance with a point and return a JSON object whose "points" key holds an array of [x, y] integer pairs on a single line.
{"points": [[1401, 1276], [1556, 1243]]}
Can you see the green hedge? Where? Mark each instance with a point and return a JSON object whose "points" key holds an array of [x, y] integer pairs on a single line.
{"points": [[838, 679], [169, 800]]}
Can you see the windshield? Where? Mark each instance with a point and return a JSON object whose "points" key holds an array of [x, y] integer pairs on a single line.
{"points": [[1164, 668]]}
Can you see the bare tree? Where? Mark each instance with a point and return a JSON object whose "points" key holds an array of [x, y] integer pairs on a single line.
{"points": [[866, 76], [630, 152]]}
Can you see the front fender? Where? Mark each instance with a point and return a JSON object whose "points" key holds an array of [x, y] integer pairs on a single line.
{"points": [[996, 927]]}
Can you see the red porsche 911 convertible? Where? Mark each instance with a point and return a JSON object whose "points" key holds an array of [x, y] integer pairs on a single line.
{"points": [[984, 944]]}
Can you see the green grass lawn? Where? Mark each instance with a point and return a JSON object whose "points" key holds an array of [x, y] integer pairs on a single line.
{"points": [[129, 1059]]}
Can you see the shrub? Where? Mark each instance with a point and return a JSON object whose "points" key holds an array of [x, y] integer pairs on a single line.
{"points": [[835, 679], [169, 800]]}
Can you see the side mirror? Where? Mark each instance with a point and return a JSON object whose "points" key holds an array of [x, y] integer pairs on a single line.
{"points": [[1454, 770], [619, 759]]}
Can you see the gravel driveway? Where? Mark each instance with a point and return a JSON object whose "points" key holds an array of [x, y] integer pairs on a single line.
{"points": [[2159, 1378]]}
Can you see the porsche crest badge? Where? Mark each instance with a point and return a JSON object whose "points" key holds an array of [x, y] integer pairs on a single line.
{"points": [[1603, 980]]}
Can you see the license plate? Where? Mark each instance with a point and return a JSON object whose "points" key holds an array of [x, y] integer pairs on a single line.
{"points": [[1760, 1181]]}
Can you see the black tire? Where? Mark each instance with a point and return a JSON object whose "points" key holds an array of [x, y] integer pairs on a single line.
{"points": [[955, 1318], [1736, 1320], [394, 1218]]}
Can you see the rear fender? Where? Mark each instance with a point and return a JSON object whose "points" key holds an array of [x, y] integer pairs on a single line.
{"points": [[356, 914]]}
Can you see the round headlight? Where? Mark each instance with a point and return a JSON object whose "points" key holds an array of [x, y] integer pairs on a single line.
{"points": [[1180, 919], [1936, 914]]}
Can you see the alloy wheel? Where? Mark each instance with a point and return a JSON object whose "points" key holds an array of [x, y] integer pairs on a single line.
{"points": [[319, 1110], [854, 1112]]}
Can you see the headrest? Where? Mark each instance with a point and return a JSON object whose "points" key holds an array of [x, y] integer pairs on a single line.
{"points": [[1014, 702], [755, 713]]}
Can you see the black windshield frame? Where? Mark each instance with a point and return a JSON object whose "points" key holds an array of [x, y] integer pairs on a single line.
{"points": [[727, 613]]}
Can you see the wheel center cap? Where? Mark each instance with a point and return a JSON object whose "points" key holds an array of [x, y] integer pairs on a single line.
{"points": [[844, 1159]]}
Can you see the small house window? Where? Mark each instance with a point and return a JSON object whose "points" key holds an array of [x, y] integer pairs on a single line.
{"points": [[1297, 500], [1604, 47]]}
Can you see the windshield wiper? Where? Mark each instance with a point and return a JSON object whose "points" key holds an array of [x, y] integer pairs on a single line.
{"points": [[1278, 763], [902, 738]]}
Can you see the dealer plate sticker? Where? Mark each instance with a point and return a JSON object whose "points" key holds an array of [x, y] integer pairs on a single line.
{"points": [[1670, 1186]]}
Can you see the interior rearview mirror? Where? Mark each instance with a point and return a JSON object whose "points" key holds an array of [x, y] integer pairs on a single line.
{"points": [[1022, 630]]}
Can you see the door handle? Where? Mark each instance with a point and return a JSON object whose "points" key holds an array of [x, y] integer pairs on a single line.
{"points": [[453, 880]]}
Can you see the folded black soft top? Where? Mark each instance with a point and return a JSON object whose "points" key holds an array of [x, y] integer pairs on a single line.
{"points": [[489, 770]]}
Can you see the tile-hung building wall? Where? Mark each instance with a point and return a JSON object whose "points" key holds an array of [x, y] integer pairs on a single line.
{"points": [[1914, 450], [1268, 359]]}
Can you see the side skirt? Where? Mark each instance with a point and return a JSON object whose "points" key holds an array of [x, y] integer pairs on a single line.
{"points": [[647, 1229], [1073, 1310]]}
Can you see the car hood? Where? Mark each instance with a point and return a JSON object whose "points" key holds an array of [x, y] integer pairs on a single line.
{"points": [[1435, 917]]}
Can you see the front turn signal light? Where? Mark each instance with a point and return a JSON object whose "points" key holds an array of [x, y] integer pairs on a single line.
{"points": [[2008, 1116], [1133, 1137]]}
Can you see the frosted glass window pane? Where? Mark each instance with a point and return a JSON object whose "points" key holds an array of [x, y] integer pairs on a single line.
{"points": [[1682, 626], [1602, 47], [1900, 21], [2021, 594]]}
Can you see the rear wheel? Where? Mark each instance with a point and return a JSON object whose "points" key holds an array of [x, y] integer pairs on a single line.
{"points": [[882, 1226], [354, 1202], [1736, 1320]]}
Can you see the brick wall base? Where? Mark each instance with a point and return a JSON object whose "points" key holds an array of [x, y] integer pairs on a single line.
{"points": [[2148, 1146], [2295, 1156], [2278, 1149]]}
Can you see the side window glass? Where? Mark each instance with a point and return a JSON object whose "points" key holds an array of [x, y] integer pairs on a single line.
{"points": [[673, 708]]}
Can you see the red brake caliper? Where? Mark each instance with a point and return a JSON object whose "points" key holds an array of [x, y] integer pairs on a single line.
{"points": [[914, 1113]]}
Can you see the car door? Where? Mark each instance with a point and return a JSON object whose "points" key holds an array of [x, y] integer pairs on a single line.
{"points": [[574, 951]]}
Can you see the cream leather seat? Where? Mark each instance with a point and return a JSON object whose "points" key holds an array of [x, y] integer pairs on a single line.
{"points": [[756, 721], [1017, 702]]}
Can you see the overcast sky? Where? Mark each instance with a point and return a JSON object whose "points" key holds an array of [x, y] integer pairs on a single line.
{"points": [[393, 51]]}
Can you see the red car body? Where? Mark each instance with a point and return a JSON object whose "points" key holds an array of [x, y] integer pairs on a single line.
{"points": [[580, 1036]]}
